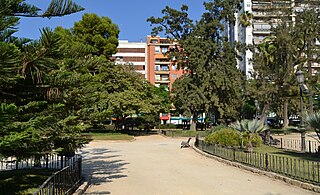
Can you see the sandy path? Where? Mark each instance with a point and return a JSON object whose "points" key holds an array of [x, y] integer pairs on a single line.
{"points": [[156, 165]]}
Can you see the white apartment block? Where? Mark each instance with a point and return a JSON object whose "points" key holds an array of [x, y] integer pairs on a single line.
{"points": [[266, 13], [132, 53]]}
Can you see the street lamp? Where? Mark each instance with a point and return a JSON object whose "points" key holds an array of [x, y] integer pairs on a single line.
{"points": [[303, 88]]}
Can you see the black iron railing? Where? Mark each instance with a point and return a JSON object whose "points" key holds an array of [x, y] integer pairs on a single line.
{"points": [[64, 181], [303, 170], [49, 161]]}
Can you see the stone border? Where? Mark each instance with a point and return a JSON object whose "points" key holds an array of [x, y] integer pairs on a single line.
{"points": [[86, 181], [272, 175]]}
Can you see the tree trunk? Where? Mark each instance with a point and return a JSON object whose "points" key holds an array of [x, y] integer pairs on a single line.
{"points": [[193, 126], [285, 114], [264, 112]]}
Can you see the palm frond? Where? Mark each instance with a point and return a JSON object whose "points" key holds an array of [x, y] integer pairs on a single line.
{"points": [[61, 8], [314, 120]]}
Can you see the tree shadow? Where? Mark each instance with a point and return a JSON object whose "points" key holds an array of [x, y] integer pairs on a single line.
{"points": [[103, 166]]}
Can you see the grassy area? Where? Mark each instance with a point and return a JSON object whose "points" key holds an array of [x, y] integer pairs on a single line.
{"points": [[286, 153], [110, 136], [185, 133], [303, 167], [22, 181]]}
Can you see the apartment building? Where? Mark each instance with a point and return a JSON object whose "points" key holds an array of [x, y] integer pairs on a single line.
{"points": [[161, 71], [265, 14], [132, 53]]}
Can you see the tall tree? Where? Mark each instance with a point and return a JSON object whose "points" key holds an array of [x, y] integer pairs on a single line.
{"points": [[98, 32], [213, 80]]}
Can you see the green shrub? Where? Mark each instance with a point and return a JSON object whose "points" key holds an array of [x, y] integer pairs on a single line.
{"points": [[225, 136], [219, 127], [256, 140], [168, 126]]}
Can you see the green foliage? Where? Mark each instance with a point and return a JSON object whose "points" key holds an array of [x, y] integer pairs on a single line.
{"points": [[58, 90], [24, 181], [175, 23], [61, 8], [249, 126], [225, 136], [219, 127], [245, 19], [249, 130], [167, 126], [313, 120], [213, 82], [256, 140], [98, 32]]}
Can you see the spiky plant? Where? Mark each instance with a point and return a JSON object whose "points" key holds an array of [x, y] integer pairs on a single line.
{"points": [[313, 121], [248, 128]]}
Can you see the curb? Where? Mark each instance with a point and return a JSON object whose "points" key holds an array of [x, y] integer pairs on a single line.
{"points": [[272, 175], [86, 181]]}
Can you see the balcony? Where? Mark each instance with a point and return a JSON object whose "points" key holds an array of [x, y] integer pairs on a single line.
{"points": [[162, 80], [261, 31], [162, 71], [162, 62]]}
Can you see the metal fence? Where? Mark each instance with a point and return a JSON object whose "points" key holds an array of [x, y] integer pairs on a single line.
{"points": [[50, 161], [292, 144], [303, 170], [63, 181]]}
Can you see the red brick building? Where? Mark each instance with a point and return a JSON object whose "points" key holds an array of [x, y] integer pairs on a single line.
{"points": [[161, 71]]}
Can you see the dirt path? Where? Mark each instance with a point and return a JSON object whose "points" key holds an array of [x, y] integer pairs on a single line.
{"points": [[156, 165]]}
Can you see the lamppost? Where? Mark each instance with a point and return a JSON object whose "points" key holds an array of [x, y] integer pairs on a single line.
{"points": [[303, 89]]}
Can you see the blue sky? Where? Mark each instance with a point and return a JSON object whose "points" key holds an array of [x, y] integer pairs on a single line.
{"points": [[129, 15]]}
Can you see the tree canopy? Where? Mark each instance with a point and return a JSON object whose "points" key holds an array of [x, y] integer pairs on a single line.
{"points": [[54, 88], [213, 81]]}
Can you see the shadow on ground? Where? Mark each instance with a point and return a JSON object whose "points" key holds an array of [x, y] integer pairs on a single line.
{"points": [[103, 165]]}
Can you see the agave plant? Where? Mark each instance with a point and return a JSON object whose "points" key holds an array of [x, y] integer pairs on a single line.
{"points": [[314, 122], [248, 128]]}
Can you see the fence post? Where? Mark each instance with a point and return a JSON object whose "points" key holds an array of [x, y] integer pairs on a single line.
{"points": [[234, 154], [281, 143], [267, 162], [61, 162]]}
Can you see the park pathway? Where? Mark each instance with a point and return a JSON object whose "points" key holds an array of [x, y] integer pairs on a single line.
{"points": [[155, 165]]}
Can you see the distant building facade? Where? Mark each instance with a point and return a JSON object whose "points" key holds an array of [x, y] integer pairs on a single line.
{"points": [[161, 71], [265, 14], [132, 53]]}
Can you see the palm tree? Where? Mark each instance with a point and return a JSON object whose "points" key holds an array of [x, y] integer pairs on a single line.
{"points": [[248, 128], [245, 19], [313, 119], [314, 122]]}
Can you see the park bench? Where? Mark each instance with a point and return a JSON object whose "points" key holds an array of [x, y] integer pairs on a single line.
{"points": [[185, 144]]}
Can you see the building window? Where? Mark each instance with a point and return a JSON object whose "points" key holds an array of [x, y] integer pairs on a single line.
{"points": [[248, 4], [119, 59], [174, 76], [165, 77], [164, 68], [164, 49], [157, 67], [157, 77], [157, 49]]}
